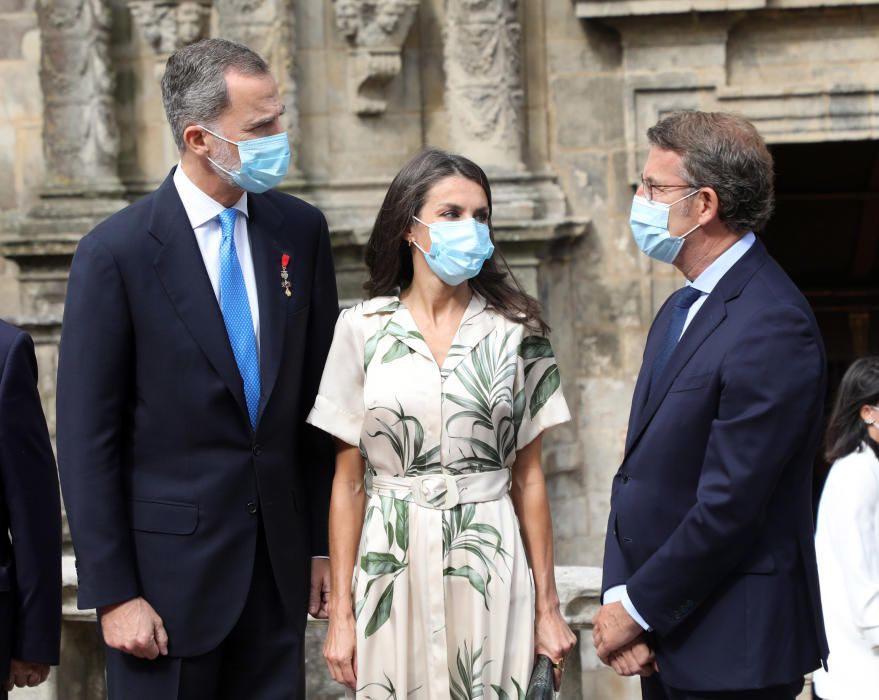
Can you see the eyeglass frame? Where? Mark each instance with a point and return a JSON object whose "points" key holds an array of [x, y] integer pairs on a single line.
{"points": [[648, 187]]}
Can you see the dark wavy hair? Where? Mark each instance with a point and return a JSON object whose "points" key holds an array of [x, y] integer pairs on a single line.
{"points": [[846, 430], [389, 258]]}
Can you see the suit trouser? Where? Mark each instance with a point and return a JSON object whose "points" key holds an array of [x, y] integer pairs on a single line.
{"points": [[653, 688], [262, 658]]}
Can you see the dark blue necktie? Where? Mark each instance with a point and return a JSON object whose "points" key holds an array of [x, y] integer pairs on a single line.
{"points": [[236, 313], [683, 300]]}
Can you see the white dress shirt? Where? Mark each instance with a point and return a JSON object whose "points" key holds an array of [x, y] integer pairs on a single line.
{"points": [[847, 545], [705, 283], [202, 212]]}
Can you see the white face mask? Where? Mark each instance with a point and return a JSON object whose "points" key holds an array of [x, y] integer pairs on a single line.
{"points": [[649, 223]]}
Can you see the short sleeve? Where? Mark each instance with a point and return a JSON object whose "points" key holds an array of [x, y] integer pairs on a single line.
{"points": [[338, 407], [539, 403]]}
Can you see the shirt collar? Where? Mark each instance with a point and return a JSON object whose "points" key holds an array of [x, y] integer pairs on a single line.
{"points": [[200, 208], [707, 281]]}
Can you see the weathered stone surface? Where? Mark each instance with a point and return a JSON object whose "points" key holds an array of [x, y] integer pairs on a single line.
{"points": [[572, 98]]}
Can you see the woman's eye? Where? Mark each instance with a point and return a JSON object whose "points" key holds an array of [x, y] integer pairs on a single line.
{"points": [[449, 215], [481, 218]]}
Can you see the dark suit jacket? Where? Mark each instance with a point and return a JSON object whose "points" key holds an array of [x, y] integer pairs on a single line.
{"points": [[163, 477], [711, 518], [30, 508]]}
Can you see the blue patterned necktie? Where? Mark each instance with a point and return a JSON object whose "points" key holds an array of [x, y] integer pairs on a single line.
{"points": [[236, 313], [684, 299]]}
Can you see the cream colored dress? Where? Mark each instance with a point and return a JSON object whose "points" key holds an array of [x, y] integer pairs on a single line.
{"points": [[443, 595]]}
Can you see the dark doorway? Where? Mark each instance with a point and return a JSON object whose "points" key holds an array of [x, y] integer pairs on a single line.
{"points": [[825, 233]]}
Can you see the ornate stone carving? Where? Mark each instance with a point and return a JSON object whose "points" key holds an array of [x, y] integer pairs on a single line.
{"points": [[268, 27], [375, 30], [167, 24], [484, 87], [80, 134]]}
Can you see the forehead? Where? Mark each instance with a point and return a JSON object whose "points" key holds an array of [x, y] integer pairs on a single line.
{"points": [[456, 189], [251, 93], [662, 166]]}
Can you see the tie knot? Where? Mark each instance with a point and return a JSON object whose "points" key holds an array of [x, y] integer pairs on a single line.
{"points": [[227, 221], [687, 297]]}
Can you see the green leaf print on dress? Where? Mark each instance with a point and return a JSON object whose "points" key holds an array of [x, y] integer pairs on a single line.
{"points": [[406, 436], [504, 695], [486, 376], [379, 565], [536, 352], [398, 349], [481, 540], [465, 679]]}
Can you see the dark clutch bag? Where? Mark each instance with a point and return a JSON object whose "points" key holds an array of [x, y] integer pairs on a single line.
{"points": [[540, 686]]}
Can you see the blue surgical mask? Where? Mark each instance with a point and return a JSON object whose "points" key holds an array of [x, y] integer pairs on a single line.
{"points": [[649, 223], [264, 161], [458, 249]]}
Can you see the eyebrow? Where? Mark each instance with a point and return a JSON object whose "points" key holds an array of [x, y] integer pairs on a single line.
{"points": [[266, 120], [452, 205]]}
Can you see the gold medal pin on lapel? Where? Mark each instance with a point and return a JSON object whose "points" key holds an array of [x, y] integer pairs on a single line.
{"points": [[285, 276]]}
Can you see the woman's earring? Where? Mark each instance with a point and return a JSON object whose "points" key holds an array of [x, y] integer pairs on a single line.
{"points": [[869, 422], [410, 242]]}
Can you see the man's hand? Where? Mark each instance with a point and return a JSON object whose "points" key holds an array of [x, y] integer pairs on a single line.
{"points": [[635, 659], [613, 628], [135, 628], [24, 674], [320, 588]]}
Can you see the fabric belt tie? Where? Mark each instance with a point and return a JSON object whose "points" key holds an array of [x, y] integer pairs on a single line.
{"points": [[443, 491]]}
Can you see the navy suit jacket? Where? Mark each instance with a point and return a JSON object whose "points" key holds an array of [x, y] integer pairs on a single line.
{"points": [[30, 508], [164, 479], [711, 517]]}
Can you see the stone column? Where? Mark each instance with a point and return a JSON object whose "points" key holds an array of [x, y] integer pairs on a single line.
{"points": [[484, 86], [81, 146], [268, 27], [81, 140]]}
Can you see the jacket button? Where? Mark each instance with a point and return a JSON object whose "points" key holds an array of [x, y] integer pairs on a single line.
{"points": [[257, 449], [625, 478], [252, 508]]}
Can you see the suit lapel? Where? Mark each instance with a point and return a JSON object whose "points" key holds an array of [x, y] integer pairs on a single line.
{"points": [[654, 342], [709, 317], [181, 269], [262, 220]]}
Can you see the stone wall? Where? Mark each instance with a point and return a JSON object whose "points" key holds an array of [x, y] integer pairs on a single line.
{"points": [[551, 96]]}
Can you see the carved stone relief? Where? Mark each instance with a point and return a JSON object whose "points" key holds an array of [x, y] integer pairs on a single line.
{"points": [[375, 30], [484, 86], [267, 27], [168, 25], [80, 134]]}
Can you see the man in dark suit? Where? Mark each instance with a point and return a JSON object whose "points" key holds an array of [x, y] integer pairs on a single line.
{"points": [[709, 567], [196, 328], [30, 510]]}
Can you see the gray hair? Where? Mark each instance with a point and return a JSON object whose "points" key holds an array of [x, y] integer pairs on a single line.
{"points": [[194, 84], [726, 153]]}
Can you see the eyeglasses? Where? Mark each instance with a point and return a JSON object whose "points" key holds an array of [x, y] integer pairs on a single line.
{"points": [[650, 188]]}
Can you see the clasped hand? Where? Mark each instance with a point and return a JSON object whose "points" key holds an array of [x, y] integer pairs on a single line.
{"points": [[25, 674], [621, 643]]}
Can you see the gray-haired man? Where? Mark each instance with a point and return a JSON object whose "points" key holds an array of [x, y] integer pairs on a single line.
{"points": [[196, 328]]}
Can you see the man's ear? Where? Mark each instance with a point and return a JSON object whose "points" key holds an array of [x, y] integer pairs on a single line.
{"points": [[194, 139], [708, 204]]}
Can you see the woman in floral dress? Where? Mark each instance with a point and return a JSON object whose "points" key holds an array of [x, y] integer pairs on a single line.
{"points": [[438, 399]]}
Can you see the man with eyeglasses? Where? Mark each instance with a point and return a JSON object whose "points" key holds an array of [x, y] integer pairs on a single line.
{"points": [[710, 586]]}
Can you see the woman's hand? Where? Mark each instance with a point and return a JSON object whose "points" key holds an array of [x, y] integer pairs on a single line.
{"points": [[340, 647], [553, 638]]}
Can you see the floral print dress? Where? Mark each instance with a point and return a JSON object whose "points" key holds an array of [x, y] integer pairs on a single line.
{"points": [[443, 598]]}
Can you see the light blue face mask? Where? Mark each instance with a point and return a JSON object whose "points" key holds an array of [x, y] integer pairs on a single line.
{"points": [[649, 223], [458, 249], [264, 161]]}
